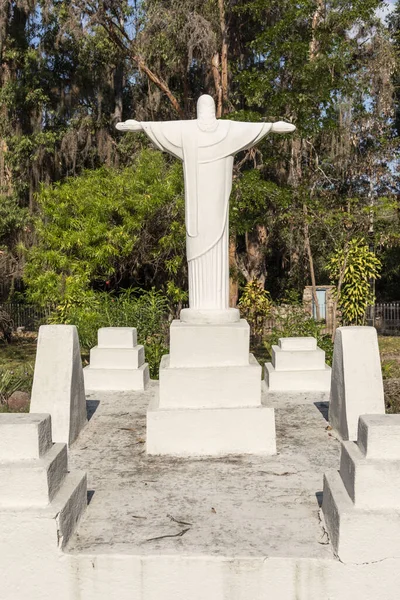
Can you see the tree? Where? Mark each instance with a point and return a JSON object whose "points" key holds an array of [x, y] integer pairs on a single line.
{"points": [[109, 229]]}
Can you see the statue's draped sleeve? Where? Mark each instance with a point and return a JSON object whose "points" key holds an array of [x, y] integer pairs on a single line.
{"points": [[241, 136]]}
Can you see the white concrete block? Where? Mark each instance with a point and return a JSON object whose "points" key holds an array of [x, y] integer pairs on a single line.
{"points": [[24, 436], [58, 386], [357, 386], [209, 316], [117, 337], [210, 432], [210, 387], [373, 484], [297, 381], [116, 379], [297, 343], [358, 535], [224, 344], [30, 483], [117, 358], [297, 360], [379, 436]]}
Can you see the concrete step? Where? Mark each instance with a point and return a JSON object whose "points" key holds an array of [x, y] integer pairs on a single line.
{"points": [[379, 436], [210, 432], [33, 482], [297, 343], [210, 387], [358, 535], [116, 358], [117, 337], [209, 345], [297, 360], [117, 380], [24, 436], [370, 483], [297, 381]]}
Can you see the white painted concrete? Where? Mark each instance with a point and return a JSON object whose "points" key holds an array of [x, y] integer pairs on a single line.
{"points": [[361, 502], [379, 436], [298, 360], [357, 386], [370, 483], [33, 482], [193, 316], [358, 535], [297, 381], [40, 506], [210, 387], [117, 337], [116, 358], [118, 380], [297, 343], [117, 362], [58, 385], [24, 436], [217, 345], [210, 431]]}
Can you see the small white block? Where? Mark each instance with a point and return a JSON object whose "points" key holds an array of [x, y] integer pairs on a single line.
{"points": [[379, 436], [357, 386], [118, 380], [24, 436], [33, 482], [358, 535], [373, 484], [210, 432], [298, 343], [117, 358], [297, 381], [297, 360], [117, 337], [210, 387], [209, 345]]}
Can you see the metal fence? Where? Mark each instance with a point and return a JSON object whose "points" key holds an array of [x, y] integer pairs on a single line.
{"points": [[385, 318], [30, 317]]}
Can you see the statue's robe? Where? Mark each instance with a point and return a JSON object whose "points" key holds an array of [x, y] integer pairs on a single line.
{"points": [[208, 163]]}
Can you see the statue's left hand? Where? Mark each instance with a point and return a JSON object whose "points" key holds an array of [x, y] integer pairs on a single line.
{"points": [[282, 127], [130, 125]]}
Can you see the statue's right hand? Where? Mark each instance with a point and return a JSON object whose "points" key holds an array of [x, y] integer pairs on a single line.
{"points": [[130, 125]]}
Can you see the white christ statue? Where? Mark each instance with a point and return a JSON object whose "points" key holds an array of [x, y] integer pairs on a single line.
{"points": [[207, 147]]}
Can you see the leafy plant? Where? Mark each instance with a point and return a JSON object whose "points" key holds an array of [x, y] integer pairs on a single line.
{"points": [[295, 321], [352, 269], [10, 382], [255, 305], [147, 311]]}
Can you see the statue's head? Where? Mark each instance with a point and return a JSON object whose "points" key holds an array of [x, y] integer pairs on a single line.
{"points": [[206, 113]]}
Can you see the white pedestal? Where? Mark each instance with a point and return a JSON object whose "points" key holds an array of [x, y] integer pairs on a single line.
{"points": [[117, 362], [357, 386], [361, 502], [210, 431], [297, 366], [209, 401]]}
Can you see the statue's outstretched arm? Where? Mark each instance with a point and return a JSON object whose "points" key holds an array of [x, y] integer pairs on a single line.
{"points": [[282, 127], [130, 125]]}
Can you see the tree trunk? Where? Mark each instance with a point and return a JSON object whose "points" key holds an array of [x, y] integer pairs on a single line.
{"points": [[217, 83], [233, 267], [310, 262], [224, 51]]}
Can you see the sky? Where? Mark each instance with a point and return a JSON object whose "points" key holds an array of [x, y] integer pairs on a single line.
{"points": [[386, 9]]}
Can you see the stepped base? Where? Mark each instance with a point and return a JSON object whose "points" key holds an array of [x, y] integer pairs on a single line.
{"points": [[210, 387], [358, 535], [297, 381], [298, 360], [118, 380], [210, 431]]}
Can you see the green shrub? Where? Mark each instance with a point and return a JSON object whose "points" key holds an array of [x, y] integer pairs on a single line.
{"points": [[148, 311], [295, 321]]}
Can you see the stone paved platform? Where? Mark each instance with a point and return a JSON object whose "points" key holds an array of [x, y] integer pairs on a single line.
{"points": [[230, 507]]}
